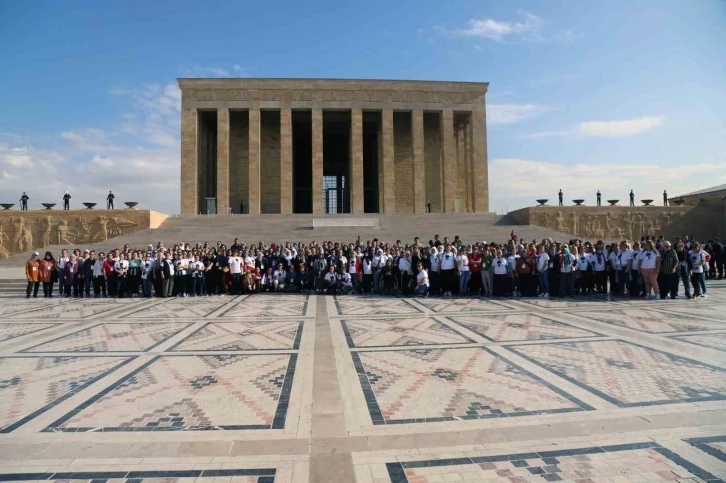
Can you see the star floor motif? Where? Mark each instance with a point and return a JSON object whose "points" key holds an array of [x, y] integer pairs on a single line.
{"points": [[637, 462], [268, 305], [400, 332], [30, 386], [243, 336], [650, 320], [202, 393], [431, 385], [179, 308], [12, 330], [517, 327], [79, 308], [627, 374], [116, 337], [474, 304], [713, 341], [374, 306]]}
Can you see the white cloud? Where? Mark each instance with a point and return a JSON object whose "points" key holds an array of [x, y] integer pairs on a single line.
{"points": [[512, 113], [619, 128], [528, 180], [199, 71], [138, 158], [527, 28]]}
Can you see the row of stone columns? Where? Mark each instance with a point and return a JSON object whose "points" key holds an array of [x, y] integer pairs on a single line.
{"points": [[387, 181]]}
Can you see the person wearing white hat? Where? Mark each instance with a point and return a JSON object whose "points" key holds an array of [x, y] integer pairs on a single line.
{"points": [[67, 201]]}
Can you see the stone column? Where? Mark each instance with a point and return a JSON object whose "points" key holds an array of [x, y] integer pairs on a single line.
{"points": [[419, 169], [222, 160], [448, 161], [356, 161], [286, 161], [479, 163], [189, 159], [387, 167], [253, 204], [317, 160]]}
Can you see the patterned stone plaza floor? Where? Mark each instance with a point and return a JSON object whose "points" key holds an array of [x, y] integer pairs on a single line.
{"points": [[298, 388]]}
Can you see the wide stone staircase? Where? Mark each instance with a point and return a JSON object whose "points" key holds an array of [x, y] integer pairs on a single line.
{"points": [[282, 228]]}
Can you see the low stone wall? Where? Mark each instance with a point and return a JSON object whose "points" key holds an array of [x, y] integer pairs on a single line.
{"points": [[21, 231], [624, 222]]}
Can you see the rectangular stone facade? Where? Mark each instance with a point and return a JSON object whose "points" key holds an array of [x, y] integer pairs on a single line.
{"points": [[431, 145]]}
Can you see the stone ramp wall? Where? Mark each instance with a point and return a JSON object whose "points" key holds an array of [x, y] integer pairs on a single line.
{"points": [[27, 231], [624, 222]]}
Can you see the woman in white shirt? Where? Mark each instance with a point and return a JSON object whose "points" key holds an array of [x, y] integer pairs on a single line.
{"points": [[434, 267], [422, 281], [500, 268], [698, 260], [649, 267], [448, 271], [462, 263]]}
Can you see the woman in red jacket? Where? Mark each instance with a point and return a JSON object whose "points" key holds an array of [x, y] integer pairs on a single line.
{"points": [[48, 274]]}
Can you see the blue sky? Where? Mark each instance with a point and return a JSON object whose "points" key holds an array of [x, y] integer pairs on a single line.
{"points": [[613, 95]]}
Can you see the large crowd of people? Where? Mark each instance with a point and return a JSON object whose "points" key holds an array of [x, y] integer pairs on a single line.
{"points": [[652, 267]]}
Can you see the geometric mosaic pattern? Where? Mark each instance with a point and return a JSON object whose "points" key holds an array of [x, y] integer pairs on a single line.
{"points": [[640, 462], [649, 320], [516, 327], [400, 332], [365, 305], [263, 305], [712, 311], [77, 309], [116, 337], [190, 308], [182, 393], [628, 374], [712, 341], [713, 445], [432, 385], [10, 330], [30, 386], [253, 475], [555, 303], [462, 305], [243, 336]]}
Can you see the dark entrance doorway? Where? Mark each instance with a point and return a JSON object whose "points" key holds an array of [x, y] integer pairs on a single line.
{"points": [[371, 152], [302, 162], [336, 161]]}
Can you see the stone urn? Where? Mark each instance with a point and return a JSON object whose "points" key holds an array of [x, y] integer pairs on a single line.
{"points": [[542, 202], [646, 202], [613, 202], [7, 206], [48, 206], [578, 202], [89, 206], [131, 205], [678, 202]]}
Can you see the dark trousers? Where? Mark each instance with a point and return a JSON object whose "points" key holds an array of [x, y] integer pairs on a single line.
{"points": [[121, 286], [78, 287], [24, 205], [367, 282], [567, 284], [133, 284], [87, 282], [601, 282], [434, 283], [448, 281], [502, 285], [668, 283], [109, 204], [236, 283], [47, 289], [180, 284], [198, 285], [67, 289], [99, 286], [614, 276], [32, 287], [111, 284], [554, 282], [636, 284], [66, 205]]}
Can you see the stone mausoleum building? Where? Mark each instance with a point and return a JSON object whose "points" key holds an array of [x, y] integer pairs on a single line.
{"points": [[333, 146]]}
